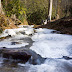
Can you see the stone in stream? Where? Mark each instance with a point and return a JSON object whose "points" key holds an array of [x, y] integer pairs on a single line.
{"points": [[14, 43], [15, 54], [57, 32], [67, 58], [23, 55]]}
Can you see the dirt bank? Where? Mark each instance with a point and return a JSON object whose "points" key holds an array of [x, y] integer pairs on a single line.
{"points": [[63, 25]]}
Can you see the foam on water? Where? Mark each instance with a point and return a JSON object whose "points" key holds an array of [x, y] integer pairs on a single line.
{"points": [[29, 31], [26, 26], [46, 44], [50, 45], [7, 44], [50, 65], [1, 61], [16, 35], [13, 32], [44, 31]]}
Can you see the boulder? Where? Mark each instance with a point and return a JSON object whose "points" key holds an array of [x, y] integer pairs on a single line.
{"points": [[23, 55], [15, 54]]}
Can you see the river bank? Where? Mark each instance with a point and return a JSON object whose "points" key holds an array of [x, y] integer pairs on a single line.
{"points": [[64, 25]]}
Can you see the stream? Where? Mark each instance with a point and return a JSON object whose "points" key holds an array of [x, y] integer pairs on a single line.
{"points": [[48, 50]]}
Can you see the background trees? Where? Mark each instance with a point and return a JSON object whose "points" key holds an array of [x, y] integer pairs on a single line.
{"points": [[36, 10], [15, 7]]}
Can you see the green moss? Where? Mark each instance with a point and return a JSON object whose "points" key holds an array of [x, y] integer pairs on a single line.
{"points": [[1, 30], [15, 7]]}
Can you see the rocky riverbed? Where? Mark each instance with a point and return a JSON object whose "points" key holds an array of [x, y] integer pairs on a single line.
{"points": [[27, 49]]}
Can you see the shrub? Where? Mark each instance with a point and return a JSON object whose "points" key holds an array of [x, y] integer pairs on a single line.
{"points": [[37, 16]]}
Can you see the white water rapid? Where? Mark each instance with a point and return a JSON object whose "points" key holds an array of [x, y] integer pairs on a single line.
{"points": [[48, 45]]}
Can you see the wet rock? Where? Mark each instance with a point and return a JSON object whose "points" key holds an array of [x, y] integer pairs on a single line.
{"points": [[67, 58], [38, 60], [27, 40], [14, 43], [15, 54], [35, 58], [6, 37], [57, 32], [22, 33], [23, 55]]}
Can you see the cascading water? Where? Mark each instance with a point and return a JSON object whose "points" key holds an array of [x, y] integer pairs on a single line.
{"points": [[50, 52]]}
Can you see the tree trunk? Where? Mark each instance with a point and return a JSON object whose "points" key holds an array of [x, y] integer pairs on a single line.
{"points": [[1, 11], [26, 7], [0, 6], [50, 10]]}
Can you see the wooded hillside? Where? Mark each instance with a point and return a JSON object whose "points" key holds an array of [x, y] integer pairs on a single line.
{"points": [[36, 10]]}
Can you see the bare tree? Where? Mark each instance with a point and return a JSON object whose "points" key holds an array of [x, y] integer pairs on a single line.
{"points": [[1, 11], [50, 10], [0, 6]]}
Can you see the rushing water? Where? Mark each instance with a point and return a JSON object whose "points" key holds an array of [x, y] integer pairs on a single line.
{"points": [[50, 52]]}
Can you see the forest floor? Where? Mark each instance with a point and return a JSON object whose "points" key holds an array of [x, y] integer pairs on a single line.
{"points": [[64, 25]]}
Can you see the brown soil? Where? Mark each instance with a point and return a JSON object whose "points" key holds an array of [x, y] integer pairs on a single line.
{"points": [[63, 25], [8, 23]]}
